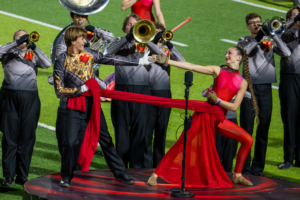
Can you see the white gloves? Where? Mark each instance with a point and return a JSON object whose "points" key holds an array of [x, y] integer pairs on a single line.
{"points": [[146, 59], [84, 88]]}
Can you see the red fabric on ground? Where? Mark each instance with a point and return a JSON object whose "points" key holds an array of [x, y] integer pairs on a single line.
{"points": [[91, 135]]}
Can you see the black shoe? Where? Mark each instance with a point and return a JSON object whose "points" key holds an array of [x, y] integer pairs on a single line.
{"points": [[21, 180], [286, 165], [8, 182], [259, 174], [98, 152], [65, 182], [124, 178]]}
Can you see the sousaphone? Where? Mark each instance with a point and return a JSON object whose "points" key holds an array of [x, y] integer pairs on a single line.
{"points": [[84, 7]]}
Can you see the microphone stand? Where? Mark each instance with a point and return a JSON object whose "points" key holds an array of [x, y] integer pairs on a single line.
{"points": [[182, 192]]}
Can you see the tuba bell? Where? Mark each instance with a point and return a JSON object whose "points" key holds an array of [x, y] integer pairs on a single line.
{"points": [[143, 32], [276, 25]]}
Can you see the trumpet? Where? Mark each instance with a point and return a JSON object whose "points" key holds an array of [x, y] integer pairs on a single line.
{"points": [[276, 25], [34, 36], [143, 31], [167, 36]]}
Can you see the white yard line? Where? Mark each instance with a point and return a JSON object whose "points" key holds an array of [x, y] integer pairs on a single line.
{"points": [[59, 28], [234, 42], [260, 6], [30, 20], [46, 126]]}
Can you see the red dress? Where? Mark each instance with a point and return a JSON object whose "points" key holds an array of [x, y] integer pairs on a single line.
{"points": [[203, 167], [143, 9]]}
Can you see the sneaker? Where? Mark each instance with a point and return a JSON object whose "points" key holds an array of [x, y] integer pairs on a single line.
{"points": [[124, 178], [286, 165], [8, 182], [65, 182], [20, 180]]}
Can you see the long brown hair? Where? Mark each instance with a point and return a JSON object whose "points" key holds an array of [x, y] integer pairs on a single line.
{"points": [[244, 55]]}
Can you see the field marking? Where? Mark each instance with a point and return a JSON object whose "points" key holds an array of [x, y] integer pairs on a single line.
{"points": [[46, 126], [234, 42], [30, 20], [56, 27], [260, 6]]}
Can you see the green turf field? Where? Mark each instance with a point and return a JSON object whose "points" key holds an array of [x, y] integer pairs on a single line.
{"points": [[211, 21]]}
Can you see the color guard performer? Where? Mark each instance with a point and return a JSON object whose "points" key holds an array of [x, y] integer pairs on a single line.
{"points": [[20, 104], [263, 74], [72, 70], [289, 91], [159, 79]]}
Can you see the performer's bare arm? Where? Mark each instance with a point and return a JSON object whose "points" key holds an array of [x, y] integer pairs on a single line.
{"points": [[238, 99], [209, 70], [127, 4], [159, 14]]}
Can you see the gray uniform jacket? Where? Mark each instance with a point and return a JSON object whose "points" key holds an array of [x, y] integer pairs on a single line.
{"points": [[128, 75], [159, 75], [291, 64], [261, 64], [19, 73]]}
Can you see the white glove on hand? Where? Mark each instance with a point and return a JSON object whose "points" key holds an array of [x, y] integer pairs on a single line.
{"points": [[84, 88], [146, 59]]}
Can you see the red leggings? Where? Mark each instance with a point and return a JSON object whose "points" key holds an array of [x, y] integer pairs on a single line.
{"points": [[231, 130]]}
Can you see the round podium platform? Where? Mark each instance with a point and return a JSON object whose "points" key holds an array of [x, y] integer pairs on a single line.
{"points": [[100, 184]]}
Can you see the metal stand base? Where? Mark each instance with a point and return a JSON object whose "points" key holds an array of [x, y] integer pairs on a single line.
{"points": [[175, 192]]}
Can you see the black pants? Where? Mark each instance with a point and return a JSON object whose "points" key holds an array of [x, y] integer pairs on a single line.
{"points": [[20, 116], [226, 149], [76, 123], [289, 94], [130, 122], [263, 94], [158, 121]]}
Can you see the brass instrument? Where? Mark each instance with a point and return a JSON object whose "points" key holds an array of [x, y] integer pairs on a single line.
{"points": [[276, 25], [34, 36], [143, 31], [167, 36]]}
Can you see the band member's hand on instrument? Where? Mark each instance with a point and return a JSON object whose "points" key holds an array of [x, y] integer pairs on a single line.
{"points": [[157, 37], [161, 58], [90, 28], [23, 39], [146, 59], [129, 36], [169, 45], [32, 46], [84, 88], [212, 98], [297, 18], [259, 35]]}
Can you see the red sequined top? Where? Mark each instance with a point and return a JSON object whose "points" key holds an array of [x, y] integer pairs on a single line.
{"points": [[143, 9], [227, 84]]}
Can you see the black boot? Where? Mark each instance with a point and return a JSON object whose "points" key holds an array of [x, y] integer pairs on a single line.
{"points": [[8, 182], [65, 182], [124, 178], [21, 180]]}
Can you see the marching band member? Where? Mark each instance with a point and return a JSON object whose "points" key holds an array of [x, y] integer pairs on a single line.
{"points": [[130, 119], [289, 91], [72, 71], [159, 79], [263, 74], [20, 105]]}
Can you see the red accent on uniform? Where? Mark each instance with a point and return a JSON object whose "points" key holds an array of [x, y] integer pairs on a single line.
{"points": [[91, 135], [143, 9], [84, 58]]}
